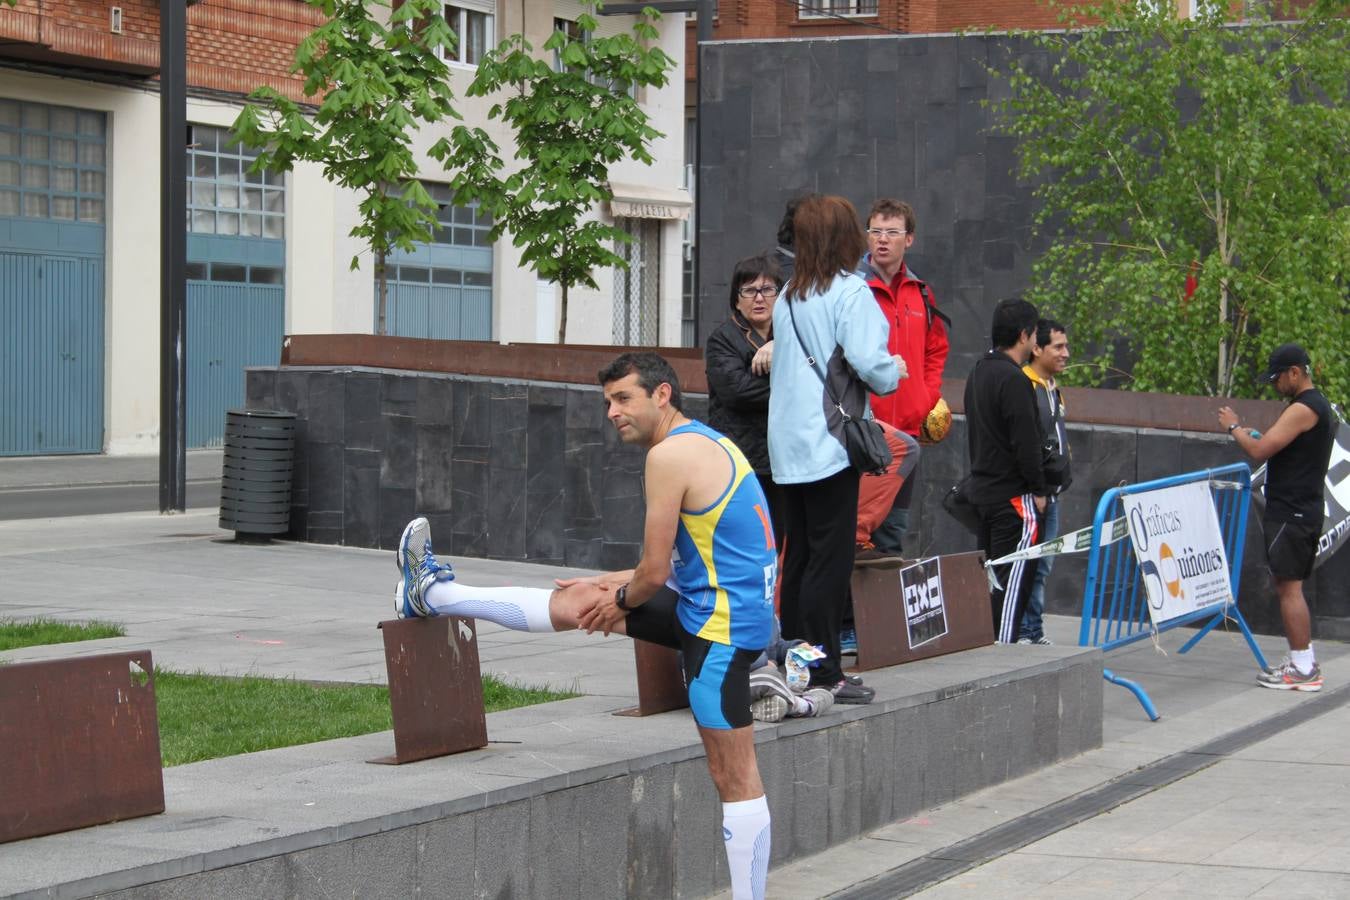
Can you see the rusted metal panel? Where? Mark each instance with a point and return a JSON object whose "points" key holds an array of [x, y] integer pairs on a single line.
{"points": [[660, 679], [435, 689], [79, 743], [883, 626], [572, 364]]}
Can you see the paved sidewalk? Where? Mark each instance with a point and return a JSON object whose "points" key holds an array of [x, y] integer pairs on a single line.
{"points": [[200, 601], [97, 469], [1271, 819]]}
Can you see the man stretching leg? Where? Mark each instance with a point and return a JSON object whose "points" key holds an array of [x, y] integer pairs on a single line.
{"points": [[707, 535]]}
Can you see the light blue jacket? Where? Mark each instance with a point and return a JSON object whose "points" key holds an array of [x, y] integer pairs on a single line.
{"points": [[846, 332]]}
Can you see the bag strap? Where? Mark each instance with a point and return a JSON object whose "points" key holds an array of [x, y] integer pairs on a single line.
{"points": [[811, 361], [931, 307]]}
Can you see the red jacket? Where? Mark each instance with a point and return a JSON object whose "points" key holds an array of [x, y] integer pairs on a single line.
{"points": [[919, 336]]}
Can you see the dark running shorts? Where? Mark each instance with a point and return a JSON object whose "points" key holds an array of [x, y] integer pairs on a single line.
{"points": [[717, 675], [1291, 548]]}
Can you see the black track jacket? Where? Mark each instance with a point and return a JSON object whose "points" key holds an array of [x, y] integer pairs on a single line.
{"points": [[1004, 432]]}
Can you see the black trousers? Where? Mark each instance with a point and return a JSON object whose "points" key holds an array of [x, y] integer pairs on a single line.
{"points": [[774, 494], [821, 518], [1006, 528]]}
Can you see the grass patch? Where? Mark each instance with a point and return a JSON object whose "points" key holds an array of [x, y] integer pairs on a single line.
{"points": [[16, 633], [209, 716]]}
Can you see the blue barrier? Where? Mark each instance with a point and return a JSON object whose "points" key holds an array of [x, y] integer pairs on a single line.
{"points": [[1115, 603]]}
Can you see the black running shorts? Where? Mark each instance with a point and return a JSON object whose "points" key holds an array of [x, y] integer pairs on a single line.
{"points": [[1291, 548]]}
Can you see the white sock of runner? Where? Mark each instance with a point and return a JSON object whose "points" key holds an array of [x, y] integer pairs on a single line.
{"points": [[1303, 660], [745, 828], [520, 608]]}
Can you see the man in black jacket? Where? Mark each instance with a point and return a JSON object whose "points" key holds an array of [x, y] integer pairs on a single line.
{"points": [[1007, 482]]}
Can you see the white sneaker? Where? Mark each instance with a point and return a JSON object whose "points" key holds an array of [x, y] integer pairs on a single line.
{"points": [[419, 569], [769, 708]]}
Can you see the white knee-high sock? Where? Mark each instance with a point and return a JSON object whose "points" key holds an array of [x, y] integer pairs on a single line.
{"points": [[519, 608], [745, 828]]}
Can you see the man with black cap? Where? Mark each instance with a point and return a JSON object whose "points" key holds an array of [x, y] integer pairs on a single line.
{"points": [[1297, 451]]}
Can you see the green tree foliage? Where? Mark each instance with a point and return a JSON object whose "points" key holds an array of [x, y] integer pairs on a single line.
{"points": [[1165, 148], [380, 76], [570, 123]]}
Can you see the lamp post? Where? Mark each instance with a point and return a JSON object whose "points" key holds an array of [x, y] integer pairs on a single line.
{"points": [[172, 256]]}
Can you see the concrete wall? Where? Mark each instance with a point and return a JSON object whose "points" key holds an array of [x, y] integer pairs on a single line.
{"points": [[647, 826], [531, 471], [502, 469]]}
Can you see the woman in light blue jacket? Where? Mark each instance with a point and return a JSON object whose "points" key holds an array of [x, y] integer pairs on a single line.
{"points": [[830, 311]]}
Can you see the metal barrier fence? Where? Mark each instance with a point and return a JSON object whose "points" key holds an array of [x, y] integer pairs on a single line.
{"points": [[1115, 603]]}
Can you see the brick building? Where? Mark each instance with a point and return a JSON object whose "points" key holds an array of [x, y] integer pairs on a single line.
{"points": [[267, 254]]}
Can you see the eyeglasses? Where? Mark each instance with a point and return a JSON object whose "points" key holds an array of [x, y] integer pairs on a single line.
{"points": [[768, 292], [891, 233]]}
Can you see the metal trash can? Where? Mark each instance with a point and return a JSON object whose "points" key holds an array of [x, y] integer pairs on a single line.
{"points": [[255, 481]]}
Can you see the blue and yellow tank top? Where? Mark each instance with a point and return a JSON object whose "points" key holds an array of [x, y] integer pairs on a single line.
{"points": [[725, 562]]}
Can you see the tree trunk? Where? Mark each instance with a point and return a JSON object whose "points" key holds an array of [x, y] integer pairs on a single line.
{"points": [[382, 295], [562, 318]]}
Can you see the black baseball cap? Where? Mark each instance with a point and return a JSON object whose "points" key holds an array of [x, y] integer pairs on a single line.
{"points": [[1284, 357]]}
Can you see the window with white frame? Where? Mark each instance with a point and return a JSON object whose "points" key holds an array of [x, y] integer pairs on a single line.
{"points": [[821, 9], [52, 162], [224, 197], [573, 32], [472, 22]]}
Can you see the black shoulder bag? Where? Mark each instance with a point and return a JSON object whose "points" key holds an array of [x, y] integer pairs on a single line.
{"points": [[864, 440]]}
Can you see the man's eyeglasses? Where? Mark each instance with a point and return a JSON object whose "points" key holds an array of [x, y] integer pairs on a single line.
{"points": [[891, 233], [768, 291]]}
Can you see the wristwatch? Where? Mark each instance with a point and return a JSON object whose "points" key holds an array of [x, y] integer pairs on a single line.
{"points": [[621, 598], [1231, 427]]}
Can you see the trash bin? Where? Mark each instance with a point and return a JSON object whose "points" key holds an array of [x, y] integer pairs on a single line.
{"points": [[255, 480]]}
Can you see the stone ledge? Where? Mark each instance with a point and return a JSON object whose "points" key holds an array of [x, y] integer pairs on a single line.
{"points": [[298, 821]]}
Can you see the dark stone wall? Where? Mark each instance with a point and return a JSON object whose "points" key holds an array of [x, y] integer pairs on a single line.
{"points": [[532, 471], [502, 469], [868, 117]]}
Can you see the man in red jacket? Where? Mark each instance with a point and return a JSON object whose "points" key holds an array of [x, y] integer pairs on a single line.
{"points": [[918, 335]]}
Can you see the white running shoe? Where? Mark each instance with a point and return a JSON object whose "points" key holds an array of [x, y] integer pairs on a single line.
{"points": [[419, 568]]}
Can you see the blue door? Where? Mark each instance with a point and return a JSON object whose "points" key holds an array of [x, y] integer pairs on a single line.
{"points": [[236, 295], [443, 289], [51, 279], [51, 354], [230, 326]]}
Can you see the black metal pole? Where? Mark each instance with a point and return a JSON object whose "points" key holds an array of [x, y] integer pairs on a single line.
{"points": [[172, 256], [702, 36]]}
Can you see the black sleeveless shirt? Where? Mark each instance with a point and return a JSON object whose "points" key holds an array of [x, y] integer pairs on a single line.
{"points": [[1295, 476]]}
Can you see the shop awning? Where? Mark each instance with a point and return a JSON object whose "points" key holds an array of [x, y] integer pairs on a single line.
{"points": [[641, 201]]}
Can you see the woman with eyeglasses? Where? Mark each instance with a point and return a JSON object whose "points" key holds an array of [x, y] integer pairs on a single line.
{"points": [[737, 358], [829, 329]]}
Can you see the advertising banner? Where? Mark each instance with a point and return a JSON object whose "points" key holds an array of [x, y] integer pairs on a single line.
{"points": [[925, 609], [1176, 537]]}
